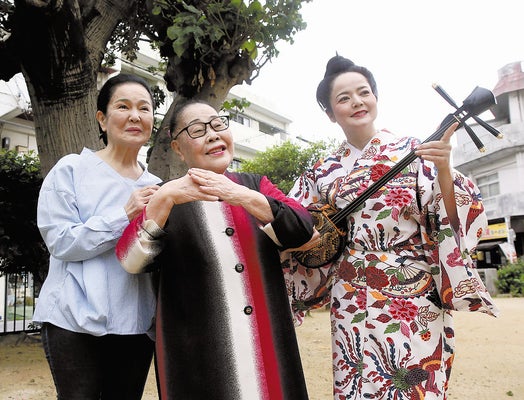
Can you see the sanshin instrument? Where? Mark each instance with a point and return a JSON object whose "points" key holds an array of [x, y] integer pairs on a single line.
{"points": [[332, 223]]}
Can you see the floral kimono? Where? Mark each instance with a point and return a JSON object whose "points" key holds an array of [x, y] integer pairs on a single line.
{"points": [[402, 272]]}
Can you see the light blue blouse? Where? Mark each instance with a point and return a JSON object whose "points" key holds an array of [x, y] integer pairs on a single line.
{"points": [[81, 216]]}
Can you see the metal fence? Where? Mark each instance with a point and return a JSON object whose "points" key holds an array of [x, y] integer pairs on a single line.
{"points": [[17, 303]]}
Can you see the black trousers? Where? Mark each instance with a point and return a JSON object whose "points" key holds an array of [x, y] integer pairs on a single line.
{"points": [[87, 367]]}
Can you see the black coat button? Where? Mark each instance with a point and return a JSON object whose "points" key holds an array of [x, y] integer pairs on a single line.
{"points": [[248, 310], [230, 231], [239, 267]]}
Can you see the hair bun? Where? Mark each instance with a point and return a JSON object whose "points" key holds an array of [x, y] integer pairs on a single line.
{"points": [[338, 64]]}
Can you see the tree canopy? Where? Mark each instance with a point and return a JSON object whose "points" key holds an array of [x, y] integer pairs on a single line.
{"points": [[209, 46], [59, 46], [284, 163]]}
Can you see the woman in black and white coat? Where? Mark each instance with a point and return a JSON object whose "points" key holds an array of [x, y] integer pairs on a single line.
{"points": [[224, 328]]}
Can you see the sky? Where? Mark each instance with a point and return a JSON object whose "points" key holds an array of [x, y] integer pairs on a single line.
{"points": [[408, 45]]}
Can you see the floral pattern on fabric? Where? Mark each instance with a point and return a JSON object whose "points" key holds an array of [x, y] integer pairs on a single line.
{"points": [[404, 269]]}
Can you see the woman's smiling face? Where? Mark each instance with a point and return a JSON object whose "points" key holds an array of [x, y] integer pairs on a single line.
{"points": [[353, 103], [129, 116], [213, 151]]}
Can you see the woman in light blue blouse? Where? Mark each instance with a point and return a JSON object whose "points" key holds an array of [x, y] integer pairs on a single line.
{"points": [[94, 315]]}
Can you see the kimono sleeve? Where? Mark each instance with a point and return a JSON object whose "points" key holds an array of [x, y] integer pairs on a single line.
{"points": [[292, 224], [308, 288], [456, 277]]}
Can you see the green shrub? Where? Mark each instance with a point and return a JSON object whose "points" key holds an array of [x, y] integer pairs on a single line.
{"points": [[511, 279], [284, 163], [22, 249]]}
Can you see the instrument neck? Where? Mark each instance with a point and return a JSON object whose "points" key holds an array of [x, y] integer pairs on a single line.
{"points": [[341, 215]]}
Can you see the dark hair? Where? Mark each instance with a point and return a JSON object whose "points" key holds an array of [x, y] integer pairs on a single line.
{"points": [[336, 66], [108, 89], [179, 108]]}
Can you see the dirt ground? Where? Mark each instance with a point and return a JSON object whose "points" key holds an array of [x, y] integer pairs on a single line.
{"points": [[489, 361]]}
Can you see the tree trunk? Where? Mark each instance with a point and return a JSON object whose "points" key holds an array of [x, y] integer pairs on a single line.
{"points": [[58, 46], [63, 128], [163, 161]]}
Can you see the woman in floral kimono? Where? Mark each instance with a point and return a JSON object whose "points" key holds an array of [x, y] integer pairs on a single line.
{"points": [[407, 263]]}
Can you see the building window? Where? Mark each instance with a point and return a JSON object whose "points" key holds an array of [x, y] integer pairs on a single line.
{"points": [[268, 129], [489, 185], [241, 119]]}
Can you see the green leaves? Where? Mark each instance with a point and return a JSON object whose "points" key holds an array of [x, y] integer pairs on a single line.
{"points": [[21, 246], [250, 47], [284, 163], [208, 33], [511, 279]]}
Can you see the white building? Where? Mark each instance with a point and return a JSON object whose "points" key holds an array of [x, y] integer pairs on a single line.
{"points": [[499, 170], [16, 117]]}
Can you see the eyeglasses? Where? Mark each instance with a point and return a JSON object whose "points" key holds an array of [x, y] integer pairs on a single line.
{"points": [[199, 129]]}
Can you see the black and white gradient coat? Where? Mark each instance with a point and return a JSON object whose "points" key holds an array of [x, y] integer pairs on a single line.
{"points": [[224, 329]]}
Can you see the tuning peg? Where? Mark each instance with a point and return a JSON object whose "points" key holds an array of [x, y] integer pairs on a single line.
{"points": [[475, 138], [489, 128], [444, 95], [474, 98]]}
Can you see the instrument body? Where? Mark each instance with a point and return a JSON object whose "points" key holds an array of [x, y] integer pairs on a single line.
{"points": [[332, 224], [332, 239]]}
